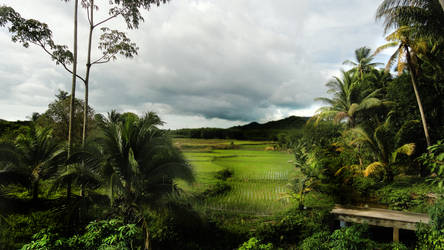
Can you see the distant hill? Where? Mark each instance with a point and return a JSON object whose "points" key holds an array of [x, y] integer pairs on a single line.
{"points": [[251, 131], [292, 122], [11, 129]]}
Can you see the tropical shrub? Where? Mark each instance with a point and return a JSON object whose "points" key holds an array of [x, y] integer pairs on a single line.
{"points": [[432, 236], [293, 227], [397, 246], [318, 241], [255, 244], [400, 198], [224, 174], [434, 160], [17, 229], [106, 234], [364, 185], [429, 238], [351, 238], [32, 158]]}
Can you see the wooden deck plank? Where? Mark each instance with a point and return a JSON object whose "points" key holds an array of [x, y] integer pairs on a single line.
{"points": [[380, 217]]}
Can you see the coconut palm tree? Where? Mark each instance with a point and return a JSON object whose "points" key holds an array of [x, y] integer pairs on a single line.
{"points": [[347, 100], [34, 156], [381, 144], [141, 163], [141, 159], [426, 16], [405, 56], [363, 63]]}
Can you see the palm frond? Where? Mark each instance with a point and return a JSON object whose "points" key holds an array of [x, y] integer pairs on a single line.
{"points": [[393, 58], [355, 169], [353, 108], [406, 149], [15, 175], [349, 62], [385, 46], [373, 167], [10, 153]]}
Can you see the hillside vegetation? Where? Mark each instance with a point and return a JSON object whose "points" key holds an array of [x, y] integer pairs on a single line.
{"points": [[253, 131]]}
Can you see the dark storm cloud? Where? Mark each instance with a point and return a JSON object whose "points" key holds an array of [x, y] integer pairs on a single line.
{"points": [[236, 60]]}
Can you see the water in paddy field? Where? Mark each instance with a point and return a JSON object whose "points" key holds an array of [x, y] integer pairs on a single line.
{"points": [[259, 180]]}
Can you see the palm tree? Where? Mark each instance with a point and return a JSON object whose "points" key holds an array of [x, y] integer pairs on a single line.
{"points": [[426, 16], [347, 100], [33, 157], [405, 55], [381, 144], [82, 169], [363, 63], [140, 163]]}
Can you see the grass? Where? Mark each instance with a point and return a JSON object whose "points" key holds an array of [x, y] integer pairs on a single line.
{"points": [[259, 178]]}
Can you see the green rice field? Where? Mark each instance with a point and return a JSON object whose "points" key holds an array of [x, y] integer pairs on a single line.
{"points": [[259, 180]]}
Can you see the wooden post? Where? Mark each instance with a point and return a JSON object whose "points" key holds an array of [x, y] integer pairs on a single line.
{"points": [[395, 234]]}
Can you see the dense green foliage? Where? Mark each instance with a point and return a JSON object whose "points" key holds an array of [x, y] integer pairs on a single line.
{"points": [[273, 130], [255, 244], [10, 130], [432, 236], [57, 117], [434, 160], [108, 234]]}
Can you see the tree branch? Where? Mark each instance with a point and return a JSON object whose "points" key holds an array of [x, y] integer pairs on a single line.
{"points": [[108, 56], [55, 58], [106, 20], [87, 13], [98, 62]]}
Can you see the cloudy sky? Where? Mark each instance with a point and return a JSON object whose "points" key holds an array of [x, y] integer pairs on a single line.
{"points": [[201, 63]]}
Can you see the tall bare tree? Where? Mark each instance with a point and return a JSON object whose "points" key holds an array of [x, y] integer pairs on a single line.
{"points": [[74, 78], [112, 42]]}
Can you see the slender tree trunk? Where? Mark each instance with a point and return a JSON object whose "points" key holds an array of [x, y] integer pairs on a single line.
{"points": [[147, 234], [442, 4], [301, 197], [73, 92], [418, 98], [73, 84], [68, 190], [35, 190], [85, 109], [390, 174], [88, 68], [82, 190]]}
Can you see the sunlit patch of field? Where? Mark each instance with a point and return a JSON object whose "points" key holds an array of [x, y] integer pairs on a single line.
{"points": [[259, 179], [207, 145]]}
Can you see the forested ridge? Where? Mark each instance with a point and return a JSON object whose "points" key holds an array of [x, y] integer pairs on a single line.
{"points": [[271, 130]]}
